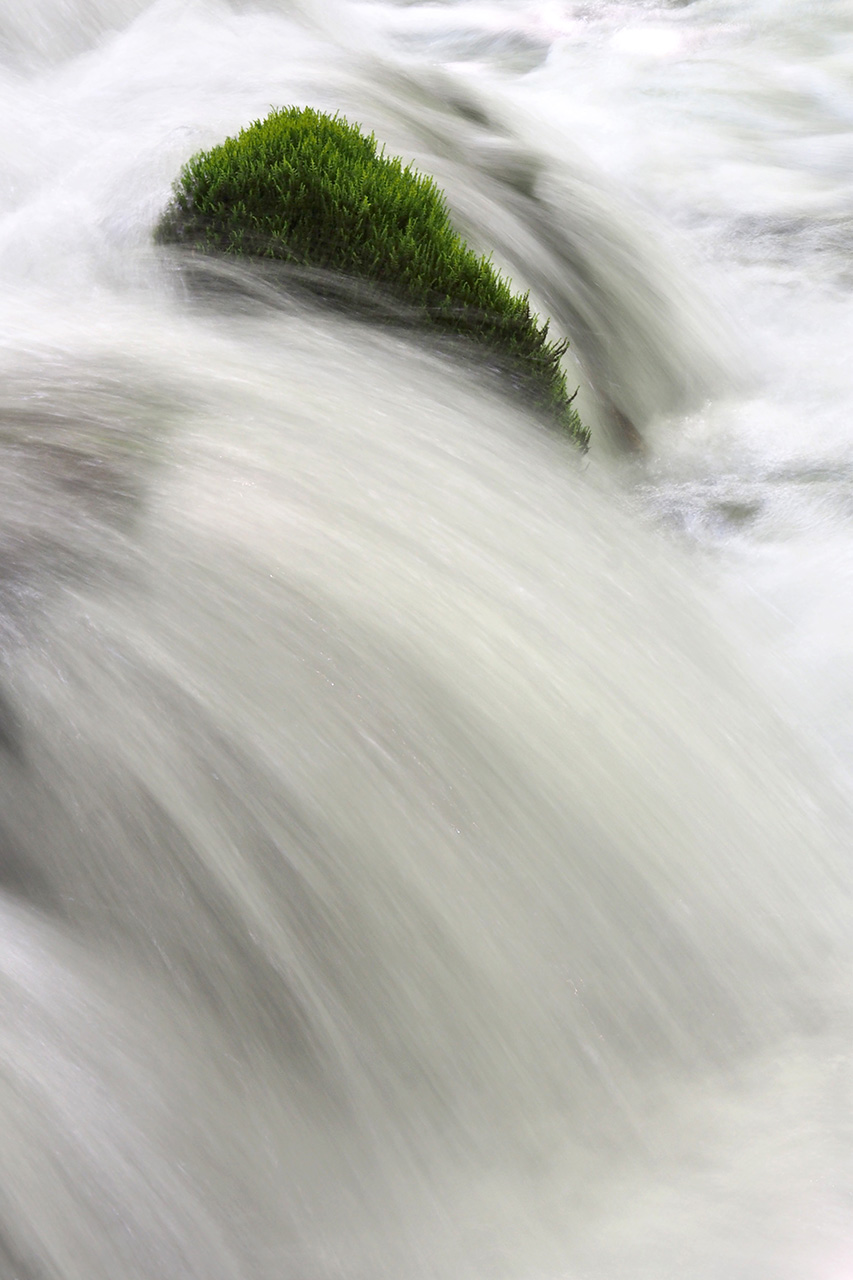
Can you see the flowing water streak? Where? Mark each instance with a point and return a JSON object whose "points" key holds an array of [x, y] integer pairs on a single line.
{"points": [[402, 872]]}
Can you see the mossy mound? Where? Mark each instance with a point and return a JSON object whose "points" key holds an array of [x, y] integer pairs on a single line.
{"points": [[314, 191]]}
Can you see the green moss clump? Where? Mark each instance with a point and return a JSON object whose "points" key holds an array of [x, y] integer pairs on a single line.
{"points": [[312, 190]]}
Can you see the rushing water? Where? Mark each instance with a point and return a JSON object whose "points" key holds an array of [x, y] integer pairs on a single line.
{"points": [[423, 854]]}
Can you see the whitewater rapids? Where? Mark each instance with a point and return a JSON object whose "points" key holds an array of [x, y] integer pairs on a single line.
{"points": [[424, 853]]}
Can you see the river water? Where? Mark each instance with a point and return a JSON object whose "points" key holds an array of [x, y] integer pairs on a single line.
{"points": [[423, 852]]}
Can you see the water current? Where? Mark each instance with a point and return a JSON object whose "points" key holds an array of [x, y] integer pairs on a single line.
{"points": [[424, 853]]}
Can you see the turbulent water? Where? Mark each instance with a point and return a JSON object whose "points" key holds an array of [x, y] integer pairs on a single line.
{"points": [[423, 852]]}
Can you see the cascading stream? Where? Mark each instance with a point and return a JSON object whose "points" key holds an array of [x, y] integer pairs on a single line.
{"points": [[412, 866]]}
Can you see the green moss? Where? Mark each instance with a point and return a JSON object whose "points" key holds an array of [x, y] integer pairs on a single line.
{"points": [[314, 191]]}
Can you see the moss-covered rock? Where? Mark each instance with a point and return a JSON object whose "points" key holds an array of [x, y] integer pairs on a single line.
{"points": [[312, 190]]}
